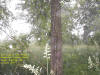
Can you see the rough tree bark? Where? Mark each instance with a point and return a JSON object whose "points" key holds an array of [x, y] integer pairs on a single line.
{"points": [[56, 38]]}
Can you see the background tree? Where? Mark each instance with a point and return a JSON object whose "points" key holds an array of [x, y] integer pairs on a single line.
{"points": [[85, 15], [5, 15]]}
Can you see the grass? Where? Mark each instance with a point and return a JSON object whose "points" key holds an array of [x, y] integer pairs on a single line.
{"points": [[75, 59]]}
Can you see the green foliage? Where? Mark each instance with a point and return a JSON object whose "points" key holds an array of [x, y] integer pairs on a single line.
{"points": [[5, 15], [39, 16], [97, 38], [75, 60], [75, 56]]}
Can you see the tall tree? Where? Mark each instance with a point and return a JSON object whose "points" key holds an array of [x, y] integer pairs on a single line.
{"points": [[39, 16], [56, 38]]}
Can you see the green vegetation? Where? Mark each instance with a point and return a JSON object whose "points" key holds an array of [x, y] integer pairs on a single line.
{"points": [[75, 60], [80, 34]]}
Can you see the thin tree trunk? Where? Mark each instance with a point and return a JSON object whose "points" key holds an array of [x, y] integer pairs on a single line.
{"points": [[86, 34], [56, 38]]}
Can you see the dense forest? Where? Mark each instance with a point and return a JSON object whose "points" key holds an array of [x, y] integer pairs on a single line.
{"points": [[63, 38]]}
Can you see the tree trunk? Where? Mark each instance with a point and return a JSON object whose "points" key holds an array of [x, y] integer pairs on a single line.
{"points": [[86, 34], [56, 38]]}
